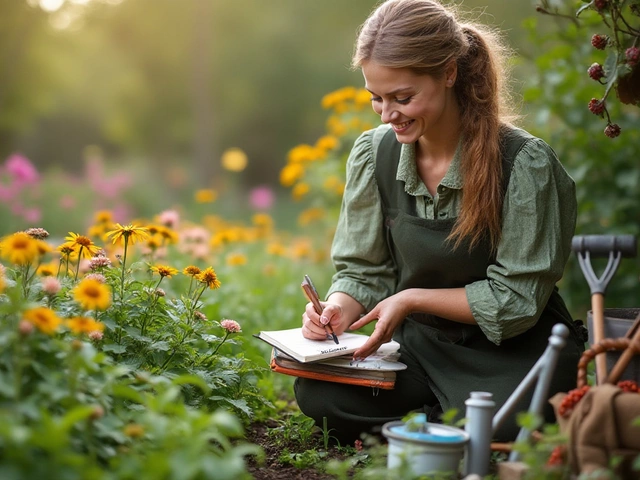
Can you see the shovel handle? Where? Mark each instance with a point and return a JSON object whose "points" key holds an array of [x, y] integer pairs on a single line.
{"points": [[597, 304]]}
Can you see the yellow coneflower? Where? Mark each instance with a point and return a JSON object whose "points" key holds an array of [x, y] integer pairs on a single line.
{"points": [[103, 216], [19, 248], [84, 325], [327, 142], [44, 319], [290, 174], [129, 233], [205, 195], [164, 271], [154, 242], [235, 259], [170, 236], [262, 220], [300, 190], [92, 294], [209, 277], [66, 251], [278, 249], [84, 246], [191, 271], [46, 270], [234, 160]]}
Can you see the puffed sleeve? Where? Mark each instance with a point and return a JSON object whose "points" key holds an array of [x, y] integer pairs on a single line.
{"points": [[539, 218], [364, 268]]}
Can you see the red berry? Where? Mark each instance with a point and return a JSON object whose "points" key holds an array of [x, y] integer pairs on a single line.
{"points": [[633, 56], [599, 41], [596, 71], [612, 130], [569, 402], [601, 4], [596, 106], [557, 456], [628, 386]]}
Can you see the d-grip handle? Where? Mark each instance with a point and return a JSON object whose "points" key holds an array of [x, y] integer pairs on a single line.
{"points": [[603, 245]]}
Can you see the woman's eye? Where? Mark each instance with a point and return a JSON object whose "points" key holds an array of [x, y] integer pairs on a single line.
{"points": [[403, 101], [375, 99]]}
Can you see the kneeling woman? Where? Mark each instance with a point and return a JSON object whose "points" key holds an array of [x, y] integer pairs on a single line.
{"points": [[454, 229]]}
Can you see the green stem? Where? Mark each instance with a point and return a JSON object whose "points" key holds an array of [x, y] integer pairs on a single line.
{"points": [[150, 307], [79, 259], [226, 335], [124, 263]]}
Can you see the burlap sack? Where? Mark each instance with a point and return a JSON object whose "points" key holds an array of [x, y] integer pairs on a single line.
{"points": [[601, 428]]}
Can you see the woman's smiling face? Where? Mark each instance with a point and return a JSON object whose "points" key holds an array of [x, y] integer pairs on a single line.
{"points": [[414, 105]]}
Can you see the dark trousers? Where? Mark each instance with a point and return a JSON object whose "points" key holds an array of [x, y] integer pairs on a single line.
{"points": [[443, 367]]}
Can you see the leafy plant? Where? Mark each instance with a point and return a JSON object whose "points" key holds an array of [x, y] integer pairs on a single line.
{"points": [[619, 33]]}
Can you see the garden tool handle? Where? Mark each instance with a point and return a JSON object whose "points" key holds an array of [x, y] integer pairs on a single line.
{"points": [[597, 309], [613, 246]]}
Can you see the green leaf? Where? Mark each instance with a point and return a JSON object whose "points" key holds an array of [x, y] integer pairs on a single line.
{"points": [[194, 380], [76, 415], [127, 392], [114, 348]]}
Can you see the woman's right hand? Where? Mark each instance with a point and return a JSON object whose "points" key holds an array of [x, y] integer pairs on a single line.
{"points": [[313, 324]]}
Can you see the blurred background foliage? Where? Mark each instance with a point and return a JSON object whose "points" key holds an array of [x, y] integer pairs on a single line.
{"points": [[130, 105]]}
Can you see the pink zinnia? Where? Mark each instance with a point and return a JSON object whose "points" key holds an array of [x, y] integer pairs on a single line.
{"points": [[169, 218], [21, 169], [96, 335], [261, 198], [50, 285], [230, 326]]}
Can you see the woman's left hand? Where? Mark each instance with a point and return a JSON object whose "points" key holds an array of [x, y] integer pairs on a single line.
{"points": [[389, 314]]}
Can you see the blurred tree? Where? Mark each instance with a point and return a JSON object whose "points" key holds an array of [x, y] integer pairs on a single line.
{"points": [[178, 82]]}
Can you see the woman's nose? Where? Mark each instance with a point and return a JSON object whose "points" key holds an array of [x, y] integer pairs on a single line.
{"points": [[388, 113]]}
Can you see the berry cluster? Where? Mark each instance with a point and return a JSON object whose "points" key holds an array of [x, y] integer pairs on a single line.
{"points": [[632, 54], [557, 456], [629, 386], [596, 106], [595, 71], [601, 4], [569, 402], [612, 130], [599, 41]]}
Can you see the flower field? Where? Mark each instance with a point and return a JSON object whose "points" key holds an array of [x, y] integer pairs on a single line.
{"points": [[122, 339]]}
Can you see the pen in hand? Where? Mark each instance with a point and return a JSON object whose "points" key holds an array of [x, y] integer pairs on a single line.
{"points": [[312, 295]]}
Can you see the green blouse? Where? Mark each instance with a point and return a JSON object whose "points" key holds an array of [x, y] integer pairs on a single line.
{"points": [[539, 217]]}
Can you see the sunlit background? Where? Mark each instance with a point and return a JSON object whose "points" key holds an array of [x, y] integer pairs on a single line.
{"points": [[144, 97]]}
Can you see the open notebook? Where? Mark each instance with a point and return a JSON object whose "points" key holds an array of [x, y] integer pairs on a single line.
{"points": [[378, 370], [292, 343]]}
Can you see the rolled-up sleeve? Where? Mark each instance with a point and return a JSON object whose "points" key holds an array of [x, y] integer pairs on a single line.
{"points": [[364, 268], [539, 218]]}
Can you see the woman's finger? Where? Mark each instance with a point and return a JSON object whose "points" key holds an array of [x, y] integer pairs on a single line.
{"points": [[368, 318]]}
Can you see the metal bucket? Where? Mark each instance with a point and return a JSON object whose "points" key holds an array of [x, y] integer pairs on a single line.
{"points": [[439, 449]]}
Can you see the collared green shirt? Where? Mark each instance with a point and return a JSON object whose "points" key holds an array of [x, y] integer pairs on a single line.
{"points": [[539, 217]]}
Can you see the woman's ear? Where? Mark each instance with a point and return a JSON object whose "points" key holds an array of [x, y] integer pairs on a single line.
{"points": [[451, 73]]}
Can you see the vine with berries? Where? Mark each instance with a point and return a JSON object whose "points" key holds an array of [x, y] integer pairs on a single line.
{"points": [[621, 36]]}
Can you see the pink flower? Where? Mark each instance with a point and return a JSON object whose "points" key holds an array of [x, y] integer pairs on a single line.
{"points": [[21, 169], [67, 202], [261, 198], [96, 335], [358, 445], [50, 285], [169, 218], [32, 215], [230, 326], [97, 276]]}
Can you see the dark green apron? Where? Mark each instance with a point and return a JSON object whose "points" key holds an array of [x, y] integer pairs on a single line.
{"points": [[446, 360], [458, 358]]}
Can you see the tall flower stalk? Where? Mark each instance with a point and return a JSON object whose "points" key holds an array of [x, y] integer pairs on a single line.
{"points": [[126, 234]]}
